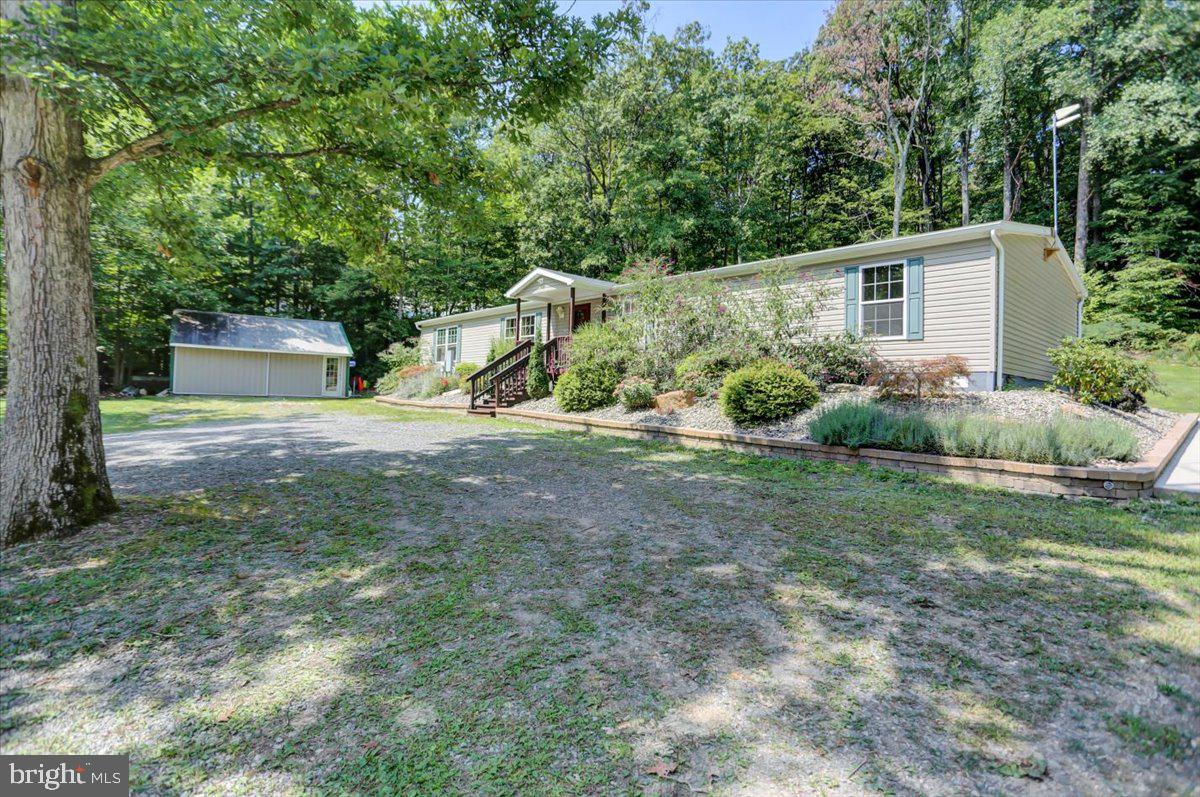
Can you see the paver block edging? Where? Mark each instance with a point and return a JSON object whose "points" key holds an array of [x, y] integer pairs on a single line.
{"points": [[1030, 476]]}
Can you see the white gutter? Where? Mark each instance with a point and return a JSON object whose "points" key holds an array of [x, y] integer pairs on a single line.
{"points": [[998, 381]]}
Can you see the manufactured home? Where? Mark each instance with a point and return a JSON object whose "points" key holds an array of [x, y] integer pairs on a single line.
{"points": [[229, 354], [997, 294]]}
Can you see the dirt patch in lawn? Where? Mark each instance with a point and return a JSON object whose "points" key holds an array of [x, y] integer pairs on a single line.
{"points": [[524, 611]]}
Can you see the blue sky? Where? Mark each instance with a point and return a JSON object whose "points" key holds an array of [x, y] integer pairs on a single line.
{"points": [[779, 27]]}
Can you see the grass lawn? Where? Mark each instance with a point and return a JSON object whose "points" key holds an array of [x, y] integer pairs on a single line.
{"points": [[164, 412], [510, 610], [1181, 384]]}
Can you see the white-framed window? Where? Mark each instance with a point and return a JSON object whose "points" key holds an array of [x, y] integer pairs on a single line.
{"points": [[530, 324], [445, 348], [332, 366], [881, 300]]}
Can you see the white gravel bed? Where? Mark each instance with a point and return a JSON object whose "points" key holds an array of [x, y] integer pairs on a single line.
{"points": [[1025, 405]]}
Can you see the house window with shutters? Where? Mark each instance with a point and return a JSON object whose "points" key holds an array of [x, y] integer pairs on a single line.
{"points": [[881, 300]]}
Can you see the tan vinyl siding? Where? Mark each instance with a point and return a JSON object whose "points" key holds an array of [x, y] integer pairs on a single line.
{"points": [[219, 372], [476, 334], [1040, 307], [475, 337], [958, 301], [297, 374]]}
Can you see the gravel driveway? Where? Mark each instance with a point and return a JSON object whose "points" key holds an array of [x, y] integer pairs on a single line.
{"points": [[205, 455]]}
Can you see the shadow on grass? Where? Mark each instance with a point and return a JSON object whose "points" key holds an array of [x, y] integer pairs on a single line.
{"points": [[479, 608]]}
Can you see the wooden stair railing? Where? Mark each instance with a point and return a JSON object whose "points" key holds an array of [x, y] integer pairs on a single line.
{"points": [[483, 383], [557, 355]]}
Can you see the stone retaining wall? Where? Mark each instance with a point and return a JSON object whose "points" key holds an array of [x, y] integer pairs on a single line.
{"points": [[1135, 481]]}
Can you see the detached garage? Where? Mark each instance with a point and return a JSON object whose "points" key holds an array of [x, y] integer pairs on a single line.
{"points": [[228, 354]]}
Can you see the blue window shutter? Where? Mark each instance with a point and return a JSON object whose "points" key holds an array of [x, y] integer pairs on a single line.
{"points": [[851, 298], [915, 266]]}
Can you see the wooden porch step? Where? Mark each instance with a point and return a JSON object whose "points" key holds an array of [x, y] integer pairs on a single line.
{"points": [[488, 411]]}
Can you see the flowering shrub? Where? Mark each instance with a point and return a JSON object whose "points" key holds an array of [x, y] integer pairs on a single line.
{"points": [[766, 390], [666, 320], [917, 378], [1095, 374], [844, 358], [635, 393]]}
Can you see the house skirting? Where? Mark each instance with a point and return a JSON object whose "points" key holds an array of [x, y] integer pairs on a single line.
{"points": [[1136, 481]]}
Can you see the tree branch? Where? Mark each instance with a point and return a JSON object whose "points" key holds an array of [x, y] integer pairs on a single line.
{"points": [[128, 93], [158, 143]]}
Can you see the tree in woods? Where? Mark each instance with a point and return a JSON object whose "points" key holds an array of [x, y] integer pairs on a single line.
{"points": [[881, 56], [290, 89]]}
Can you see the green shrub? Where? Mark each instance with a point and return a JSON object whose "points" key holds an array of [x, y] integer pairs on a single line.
{"points": [[587, 387], [1064, 441], [462, 371], [845, 357], [766, 390], [500, 347], [599, 357], [703, 371], [603, 343], [387, 383], [400, 355], [635, 393], [537, 384], [1187, 350], [1096, 374]]}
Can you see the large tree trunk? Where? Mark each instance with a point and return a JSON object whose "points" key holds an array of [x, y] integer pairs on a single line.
{"points": [[899, 173], [1082, 191], [964, 174], [52, 476], [1008, 185]]}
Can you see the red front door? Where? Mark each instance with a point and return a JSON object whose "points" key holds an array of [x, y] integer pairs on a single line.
{"points": [[583, 314]]}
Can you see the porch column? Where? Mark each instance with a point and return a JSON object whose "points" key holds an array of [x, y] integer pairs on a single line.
{"points": [[547, 322], [603, 308], [571, 314], [517, 326]]}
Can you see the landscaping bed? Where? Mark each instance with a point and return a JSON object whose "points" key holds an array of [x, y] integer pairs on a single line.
{"points": [[1035, 406]]}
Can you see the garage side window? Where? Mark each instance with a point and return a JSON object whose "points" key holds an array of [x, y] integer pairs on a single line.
{"points": [[445, 348], [331, 373]]}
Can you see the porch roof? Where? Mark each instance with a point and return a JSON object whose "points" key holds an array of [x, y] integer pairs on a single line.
{"points": [[548, 285]]}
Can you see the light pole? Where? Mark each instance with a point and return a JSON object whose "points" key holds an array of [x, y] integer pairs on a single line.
{"points": [[1062, 118]]}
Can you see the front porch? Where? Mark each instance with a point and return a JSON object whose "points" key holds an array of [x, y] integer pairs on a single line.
{"points": [[564, 302]]}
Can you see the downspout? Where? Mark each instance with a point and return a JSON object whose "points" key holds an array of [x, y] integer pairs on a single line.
{"points": [[1079, 318], [998, 382]]}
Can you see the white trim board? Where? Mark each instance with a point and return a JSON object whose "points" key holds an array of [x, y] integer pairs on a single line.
{"points": [[263, 351]]}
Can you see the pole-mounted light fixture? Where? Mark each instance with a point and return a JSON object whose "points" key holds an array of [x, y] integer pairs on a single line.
{"points": [[1062, 117]]}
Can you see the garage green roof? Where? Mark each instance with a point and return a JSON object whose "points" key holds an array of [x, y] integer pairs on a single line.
{"points": [[209, 330]]}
